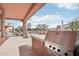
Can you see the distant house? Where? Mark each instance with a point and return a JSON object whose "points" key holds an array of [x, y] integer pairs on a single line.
{"points": [[8, 28]]}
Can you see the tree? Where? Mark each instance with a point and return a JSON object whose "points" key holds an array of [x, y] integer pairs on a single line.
{"points": [[41, 27], [74, 25], [44, 26], [17, 30]]}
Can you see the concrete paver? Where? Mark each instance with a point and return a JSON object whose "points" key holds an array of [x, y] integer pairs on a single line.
{"points": [[12, 44]]}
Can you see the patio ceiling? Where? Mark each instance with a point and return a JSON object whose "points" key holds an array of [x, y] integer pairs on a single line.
{"points": [[20, 11]]}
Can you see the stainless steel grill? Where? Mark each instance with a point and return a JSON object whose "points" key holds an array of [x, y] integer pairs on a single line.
{"points": [[60, 42]]}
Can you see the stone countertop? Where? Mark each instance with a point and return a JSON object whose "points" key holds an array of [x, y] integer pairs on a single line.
{"points": [[39, 36]]}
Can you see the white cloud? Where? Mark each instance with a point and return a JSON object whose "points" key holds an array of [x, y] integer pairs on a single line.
{"points": [[53, 17], [47, 19], [69, 6], [35, 18]]}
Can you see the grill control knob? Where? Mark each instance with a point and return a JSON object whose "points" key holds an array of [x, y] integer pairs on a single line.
{"points": [[50, 46], [66, 54], [54, 48], [58, 50]]}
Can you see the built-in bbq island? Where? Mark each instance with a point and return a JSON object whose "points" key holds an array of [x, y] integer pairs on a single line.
{"points": [[54, 43]]}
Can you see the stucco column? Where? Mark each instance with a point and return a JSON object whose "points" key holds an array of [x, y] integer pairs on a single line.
{"points": [[3, 28], [25, 33], [2, 24]]}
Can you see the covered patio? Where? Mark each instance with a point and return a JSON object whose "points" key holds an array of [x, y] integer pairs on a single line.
{"points": [[21, 12], [54, 43]]}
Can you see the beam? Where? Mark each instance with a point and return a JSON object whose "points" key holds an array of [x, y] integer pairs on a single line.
{"points": [[34, 8], [13, 19]]}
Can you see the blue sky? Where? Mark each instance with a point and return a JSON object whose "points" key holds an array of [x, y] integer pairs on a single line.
{"points": [[52, 14]]}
